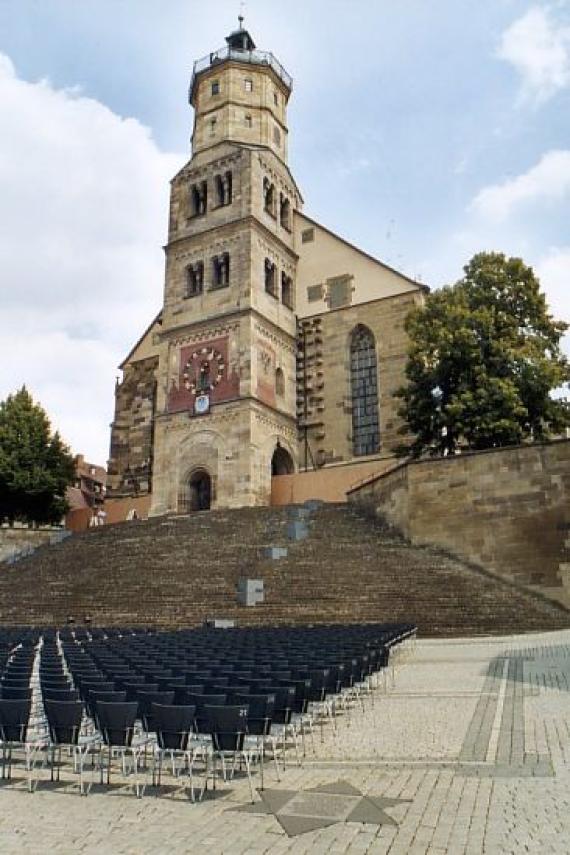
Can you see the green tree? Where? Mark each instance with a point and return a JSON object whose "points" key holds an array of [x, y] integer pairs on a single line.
{"points": [[484, 359], [35, 466]]}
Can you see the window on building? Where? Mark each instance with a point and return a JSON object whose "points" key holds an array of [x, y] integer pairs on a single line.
{"points": [[194, 279], [287, 290], [364, 392], [339, 290], [269, 196], [271, 278], [314, 293], [276, 135], [307, 236], [276, 99], [248, 121], [279, 383], [213, 123], [215, 87], [285, 212], [248, 85], [198, 198], [223, 189], [221, 270]]}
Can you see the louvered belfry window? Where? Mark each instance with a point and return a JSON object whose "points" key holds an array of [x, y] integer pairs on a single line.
{"points": [[364, 391]]}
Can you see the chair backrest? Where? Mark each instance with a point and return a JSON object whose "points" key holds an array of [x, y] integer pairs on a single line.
{"points": [[51, 683], [200, 702], [173, 725], [284, 703], [260, 712], [147, 701], [64, 721], [227, 726], [13, 693], [59, 694], [117, 721], [98, 686], [133, 689], [14, 718]]}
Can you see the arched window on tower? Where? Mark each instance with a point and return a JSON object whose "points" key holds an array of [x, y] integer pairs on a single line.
{"points": [[279, 382], [269, 197], [364, 392]]}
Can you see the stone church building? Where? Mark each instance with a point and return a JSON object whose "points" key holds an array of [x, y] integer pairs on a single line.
{"points": [[279, 345]]}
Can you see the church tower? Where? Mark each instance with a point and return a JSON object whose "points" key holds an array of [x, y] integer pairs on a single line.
{"points": [[225, 408]]}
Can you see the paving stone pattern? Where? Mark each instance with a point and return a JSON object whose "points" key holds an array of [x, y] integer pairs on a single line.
{"points": [[467, 753]]}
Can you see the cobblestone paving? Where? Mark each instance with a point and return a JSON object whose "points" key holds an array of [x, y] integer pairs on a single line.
{"points": [[472, 742]]}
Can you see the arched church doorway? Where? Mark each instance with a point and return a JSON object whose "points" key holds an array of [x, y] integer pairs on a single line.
{"points": [[200, 491], [281, 462]]}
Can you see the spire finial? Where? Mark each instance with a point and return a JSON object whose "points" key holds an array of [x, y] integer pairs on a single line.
{"points": [[241, 14]]}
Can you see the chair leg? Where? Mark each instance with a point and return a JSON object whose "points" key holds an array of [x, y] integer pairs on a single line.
{"points": [[189, 757], [248, 770]]}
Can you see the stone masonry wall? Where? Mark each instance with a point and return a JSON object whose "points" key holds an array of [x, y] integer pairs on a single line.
{"points": [[327, 344], [507, 510], [14, 539]]}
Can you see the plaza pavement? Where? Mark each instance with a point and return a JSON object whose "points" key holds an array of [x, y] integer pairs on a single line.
{"points": [[468, 752]]}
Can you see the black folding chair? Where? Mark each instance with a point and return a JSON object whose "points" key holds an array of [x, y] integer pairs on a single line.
{"points": [[64, 720]]}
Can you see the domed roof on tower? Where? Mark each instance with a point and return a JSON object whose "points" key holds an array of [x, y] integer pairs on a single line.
{"points": [[240, 39], [240, 48]]}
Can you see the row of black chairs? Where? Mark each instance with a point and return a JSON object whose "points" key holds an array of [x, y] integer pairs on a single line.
{"points": [[207, 695]]}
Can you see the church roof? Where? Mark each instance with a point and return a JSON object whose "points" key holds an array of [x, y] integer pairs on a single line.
{"points": [[420, 285], [157, 318]]}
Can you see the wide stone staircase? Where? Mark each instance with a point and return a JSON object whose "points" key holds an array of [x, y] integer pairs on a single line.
{"points": [[179, 571]]}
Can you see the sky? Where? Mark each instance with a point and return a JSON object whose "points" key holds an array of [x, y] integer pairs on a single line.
{"points": [[421, 131]]}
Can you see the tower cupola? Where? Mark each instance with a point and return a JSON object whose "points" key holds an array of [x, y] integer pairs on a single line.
{"points": [[240, 95], [240, 39]]}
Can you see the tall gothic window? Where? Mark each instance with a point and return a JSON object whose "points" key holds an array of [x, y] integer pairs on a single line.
{"points": [[364, 391]]}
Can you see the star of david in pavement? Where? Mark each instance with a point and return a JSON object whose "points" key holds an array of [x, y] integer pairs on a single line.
{"points": [[307, 810]]}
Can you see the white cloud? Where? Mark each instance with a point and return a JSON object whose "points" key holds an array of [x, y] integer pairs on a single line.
{"points": [[554, 272], [83, 211], [538, 46], [548, 180]]}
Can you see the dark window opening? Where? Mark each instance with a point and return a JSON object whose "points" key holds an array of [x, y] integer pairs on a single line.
{"points": [[198, 198], [216, 87], [276, 135], [307, 235], [271, 278], [269, 196], [285, 212], [221, 270], [287, 290], [194, 279], [248, 85], [279, 383], [364, 392], [223, 188]]}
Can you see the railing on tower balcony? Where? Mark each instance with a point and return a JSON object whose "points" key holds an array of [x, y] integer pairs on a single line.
{"points": [[254, 57]]}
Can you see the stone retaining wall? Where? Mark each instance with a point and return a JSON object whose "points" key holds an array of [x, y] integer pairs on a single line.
{"points": [[507, 510], [14, 539]]}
